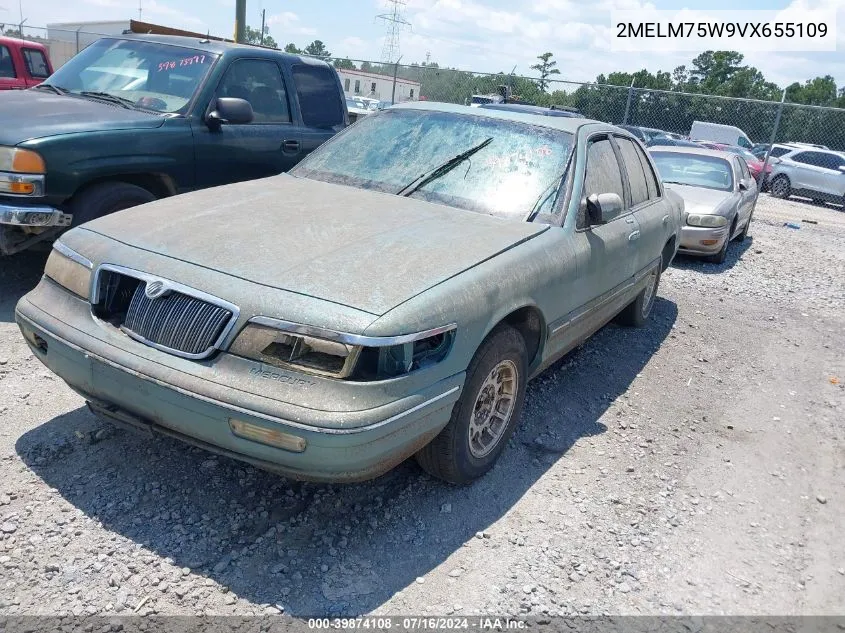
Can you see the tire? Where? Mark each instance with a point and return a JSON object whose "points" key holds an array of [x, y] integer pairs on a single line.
{"points": [[636, 313], [722, 255], [781, 187], [459, 453], [105, 198]]}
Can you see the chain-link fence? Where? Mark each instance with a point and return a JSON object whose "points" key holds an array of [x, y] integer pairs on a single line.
{"points": [[666, 110]]}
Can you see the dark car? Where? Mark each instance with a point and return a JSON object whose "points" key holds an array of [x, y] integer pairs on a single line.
{"points": [[134, 118], [532, 109]]}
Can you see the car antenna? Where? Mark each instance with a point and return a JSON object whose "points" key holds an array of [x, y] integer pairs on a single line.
{"points": [[207, 39]]}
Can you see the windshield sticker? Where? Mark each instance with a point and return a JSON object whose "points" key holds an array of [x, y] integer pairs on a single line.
{"points": [[186, 61]]}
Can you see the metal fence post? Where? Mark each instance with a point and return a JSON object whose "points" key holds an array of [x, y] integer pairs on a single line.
{"points": [[77, 38], [395, 72], [771, 142], [628, 103]]}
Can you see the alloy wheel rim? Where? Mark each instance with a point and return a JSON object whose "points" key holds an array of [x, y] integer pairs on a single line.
{"points": [[648, 293], [779, 186], [493, 408]]}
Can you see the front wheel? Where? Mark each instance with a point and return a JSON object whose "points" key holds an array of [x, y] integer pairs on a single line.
{"points": [[636, 313], [105, 198], [780, 187], [486, 414]]}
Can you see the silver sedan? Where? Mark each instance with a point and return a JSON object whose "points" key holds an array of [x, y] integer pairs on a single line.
{"points": [[719, 195]]}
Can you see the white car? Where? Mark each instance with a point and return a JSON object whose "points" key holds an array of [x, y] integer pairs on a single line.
{"points": [[814, 173]]}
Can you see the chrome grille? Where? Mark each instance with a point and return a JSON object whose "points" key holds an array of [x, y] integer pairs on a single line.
{"points": [[176, 321]]}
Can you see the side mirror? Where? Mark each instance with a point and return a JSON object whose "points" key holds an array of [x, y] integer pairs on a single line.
{"points": [[230, 110], [743, 185], [603, 207], [842, 168]]}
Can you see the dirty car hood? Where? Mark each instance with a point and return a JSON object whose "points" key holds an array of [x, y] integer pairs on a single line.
{"points": [[36, 113], [701, 199], [361, 249]]}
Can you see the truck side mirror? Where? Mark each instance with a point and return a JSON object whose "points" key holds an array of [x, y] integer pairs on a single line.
{"points": [[230, 110]]}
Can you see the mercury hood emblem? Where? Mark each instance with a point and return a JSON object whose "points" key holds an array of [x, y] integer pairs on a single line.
{"points": [[156, 289]]}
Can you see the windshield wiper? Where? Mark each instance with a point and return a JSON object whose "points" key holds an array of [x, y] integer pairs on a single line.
{"points": [[442, 170], [105, 96], [544, 195], [57, 89]]}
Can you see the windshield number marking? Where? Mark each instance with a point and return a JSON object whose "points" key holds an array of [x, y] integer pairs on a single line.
{"points": [[187, 61]]}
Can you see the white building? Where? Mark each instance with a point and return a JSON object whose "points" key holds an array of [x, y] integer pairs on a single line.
{"points": [[68, 38], [365, 84]]}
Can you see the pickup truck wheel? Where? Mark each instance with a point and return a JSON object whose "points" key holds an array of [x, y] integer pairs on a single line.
{"points": [[485, 416], [636, 313], [781, 187], [105, 198]]}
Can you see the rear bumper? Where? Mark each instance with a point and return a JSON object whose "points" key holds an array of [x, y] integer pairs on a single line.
{"points": [[160, 399], [693, 236]]}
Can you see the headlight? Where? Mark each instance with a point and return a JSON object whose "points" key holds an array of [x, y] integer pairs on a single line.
{"points": [[69, 269], [23, 161], [339, 355], [708, 221]]}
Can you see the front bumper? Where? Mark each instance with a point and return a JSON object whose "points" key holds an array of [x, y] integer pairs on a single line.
{"points": [[693, 236], [137, 390], [36, 216]]}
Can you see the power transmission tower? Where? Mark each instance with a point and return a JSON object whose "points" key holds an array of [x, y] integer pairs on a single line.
{"points": [[395, 23]]}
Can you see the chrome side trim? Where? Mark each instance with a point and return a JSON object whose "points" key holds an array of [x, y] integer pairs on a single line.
{"points": [[596, 304], [173, 285], [73, 255], [350, 339]]}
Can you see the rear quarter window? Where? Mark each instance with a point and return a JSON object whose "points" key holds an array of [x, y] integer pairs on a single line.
{"points": [[319, 96]]}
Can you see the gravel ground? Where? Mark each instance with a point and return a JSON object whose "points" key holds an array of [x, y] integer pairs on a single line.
{"points": [[694, 466]]}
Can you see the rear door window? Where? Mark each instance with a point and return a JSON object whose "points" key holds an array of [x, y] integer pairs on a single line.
{"points": [[7, 65], [634, 168], [36, 63], [319, 96]]}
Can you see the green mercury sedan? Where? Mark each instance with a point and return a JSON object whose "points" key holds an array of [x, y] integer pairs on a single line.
{"points": [[389, 297]]}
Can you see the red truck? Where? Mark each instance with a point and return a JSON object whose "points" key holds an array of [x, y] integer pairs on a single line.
{"points": [[23, 64]]}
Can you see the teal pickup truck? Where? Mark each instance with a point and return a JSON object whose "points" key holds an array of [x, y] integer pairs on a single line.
{"points": [[135, 118]]}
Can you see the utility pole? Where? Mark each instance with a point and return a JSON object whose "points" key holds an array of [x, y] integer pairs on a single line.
{"points": [[140, 11], [395, 23], [240, 21], [263, 14]]}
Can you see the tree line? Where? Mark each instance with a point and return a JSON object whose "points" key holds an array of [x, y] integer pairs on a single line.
{"points": [[665, 100]]}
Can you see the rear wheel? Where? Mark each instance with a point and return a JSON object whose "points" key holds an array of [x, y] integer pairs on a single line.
{"points": [[781, 187], [105, 198], [486, 414], [636, 313]]}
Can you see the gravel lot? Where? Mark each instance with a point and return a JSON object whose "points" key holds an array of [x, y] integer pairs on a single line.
{"points": [[694, 466]]}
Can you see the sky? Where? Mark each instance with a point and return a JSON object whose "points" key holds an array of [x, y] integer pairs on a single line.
{"points": [[479, 35]]}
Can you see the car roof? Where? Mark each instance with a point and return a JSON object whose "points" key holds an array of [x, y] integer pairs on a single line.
{"points": [[694, 151], [22, 42], [214, 46], [529, 109], [563, 124]]}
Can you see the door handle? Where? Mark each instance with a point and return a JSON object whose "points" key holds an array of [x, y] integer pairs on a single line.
{"points": [[629, 220], [665, 219], [290, 146], [632, 237]]}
